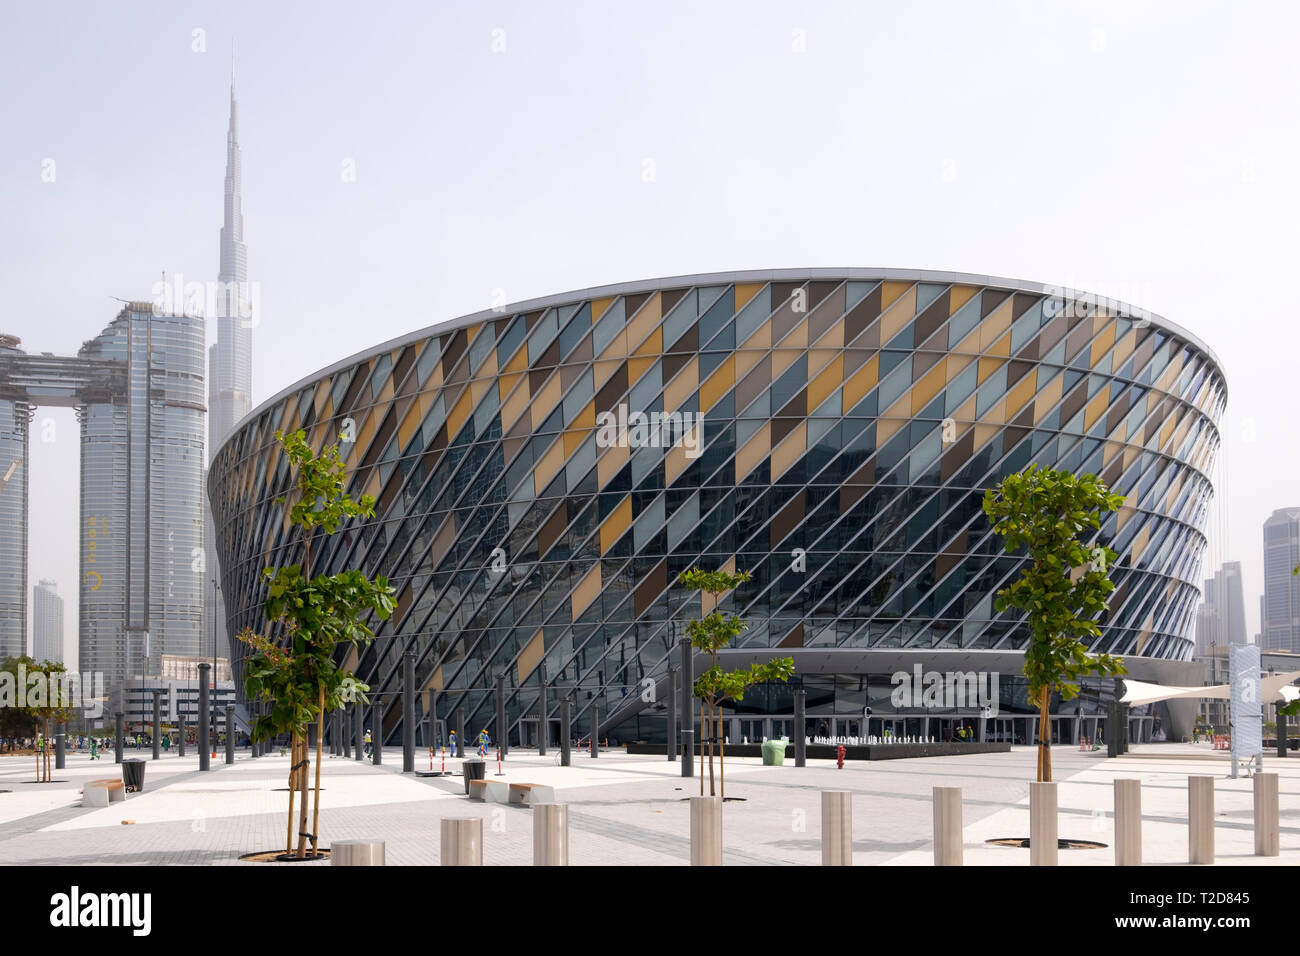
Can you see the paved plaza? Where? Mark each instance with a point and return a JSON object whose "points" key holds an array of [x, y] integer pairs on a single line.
{"points": [[630, 810]]}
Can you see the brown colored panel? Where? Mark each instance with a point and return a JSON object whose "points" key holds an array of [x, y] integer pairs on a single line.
{"points": [[1017, 369], [785, 520], [689, 341], [861, 316], [929, 321], [674, 362], [1074, 401], [451, 357], [958, 453], [818, 291], [551, 529], [781, 292], [794, 638], [670, 298], [607, 398], [649, 590], [752, 385], [1024, 301], [922, 362], [827, 311], [990, 299], [782, 427]]}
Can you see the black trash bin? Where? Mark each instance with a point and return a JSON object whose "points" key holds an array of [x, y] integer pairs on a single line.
{"points": [[133, 775], [475, 769]]}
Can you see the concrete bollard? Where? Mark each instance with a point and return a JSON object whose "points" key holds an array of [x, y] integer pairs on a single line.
{"points": [[1128, 822], [947, 826], [462, 841], [1267, 834], [1200, 819], [357, 853], [706, 831], [1042, 824], [551, 834], [837, 828]]}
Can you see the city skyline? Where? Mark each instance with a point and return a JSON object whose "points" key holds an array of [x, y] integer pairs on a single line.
{"points": [[369, 227]]}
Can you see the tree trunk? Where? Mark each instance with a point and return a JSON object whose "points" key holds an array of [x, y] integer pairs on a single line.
{"points": [[304, 749], [701, 745], [1044, 737], [293, 782], [722, 758], [709, 724], [320, 737]]}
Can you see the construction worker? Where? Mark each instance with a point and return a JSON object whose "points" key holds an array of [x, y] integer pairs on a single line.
{"points": [[368, 742], [451, 742], [484, 741]]}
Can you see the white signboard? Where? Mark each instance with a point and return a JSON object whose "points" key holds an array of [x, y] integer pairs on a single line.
{"points": [[1247, 707]]}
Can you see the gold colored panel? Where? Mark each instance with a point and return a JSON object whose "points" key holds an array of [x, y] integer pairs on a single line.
{"points": [[675, 462], [530, 657], [958, 296], [653, 344], [829, 379], [984, 434], [588, 590], [796, 338], [1140, 544], [754, 451], [930, 385], [410, 423], [513, 407], [860, 383], [507, 382], [550, 465], [602, 370], [987, 367], [611, 462], [546, 400], [995, 325], [890, 291], [1048, 397], [682, 387], [895, 316], [1096, 407], [599, 307], [1021, 393], [718, 384], [646, 321], [761, 338], [572, 439], [886, 428], [790, 450], [636, 367], [1102, 344], [615, 525], [746, 291], [519, 361], [833, 338], [782, 359]]}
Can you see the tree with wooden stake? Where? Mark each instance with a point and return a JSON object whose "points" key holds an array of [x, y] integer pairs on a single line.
{"points": [[715, 686], [297, 673], [1041, 512]]}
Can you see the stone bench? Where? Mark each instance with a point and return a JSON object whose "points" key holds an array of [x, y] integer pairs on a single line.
{"points": [[99, 793], [528, 794], [489, 791]]}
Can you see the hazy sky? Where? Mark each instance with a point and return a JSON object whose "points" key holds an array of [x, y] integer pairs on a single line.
{"points": [[1145, 151]]}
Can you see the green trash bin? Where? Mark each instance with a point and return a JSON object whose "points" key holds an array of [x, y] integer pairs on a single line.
{"points": [[773, 753]]}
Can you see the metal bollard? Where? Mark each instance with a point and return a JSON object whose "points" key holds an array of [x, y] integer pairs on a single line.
{"points": [[61, 746], [1042, 824], [947, 826], [706, 831], [357, 853], [1267, 834], [462, 841], [837, 828], [1128, 822], [1200, 819], [551, 834]]}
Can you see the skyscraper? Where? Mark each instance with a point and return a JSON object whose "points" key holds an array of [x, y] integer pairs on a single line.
{"points": [[230, 359], [47, 622], [1221, 618], [15, 416], [1280, 624]]}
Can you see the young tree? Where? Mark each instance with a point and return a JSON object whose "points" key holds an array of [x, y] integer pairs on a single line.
{"points": [[715, 686], [299, 674], [15, 721], [1042, 512]]}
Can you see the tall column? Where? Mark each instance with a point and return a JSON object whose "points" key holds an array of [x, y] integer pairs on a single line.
{"points": [[205, 718], [566, 731], [345, 731], [359, 730], [800, 728], [460, 728], [377, 732], [408, 712], [60, 745], [180, 732], [230, 733], [157, 725], [595, 727], [117, 738], [670, 738], [688, 715], [543, 726], [1281, 734], [502, 733]]}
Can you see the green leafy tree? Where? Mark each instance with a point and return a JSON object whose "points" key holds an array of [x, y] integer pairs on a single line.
{"points": [[46, 703], [716, 686], [1042, 513], [298, 673]]}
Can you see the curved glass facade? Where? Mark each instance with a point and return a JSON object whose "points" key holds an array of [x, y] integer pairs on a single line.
{"points": [[542, 473]]}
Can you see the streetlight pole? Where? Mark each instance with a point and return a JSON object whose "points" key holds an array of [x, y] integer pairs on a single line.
{"points": [[216, 589]]}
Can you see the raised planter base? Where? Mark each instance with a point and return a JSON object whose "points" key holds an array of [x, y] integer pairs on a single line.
{"points": [[860, 752]]}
